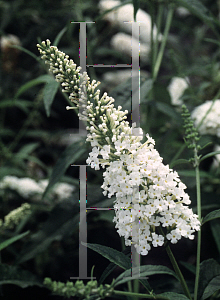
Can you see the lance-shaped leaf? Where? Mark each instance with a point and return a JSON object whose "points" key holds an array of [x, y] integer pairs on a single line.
{"points": [[49, 92], [116, 257], [209, 270], [212, 287], [211, 216], [173, 296], [142, 272], [31, 83], [12, 240], [112, 255]]}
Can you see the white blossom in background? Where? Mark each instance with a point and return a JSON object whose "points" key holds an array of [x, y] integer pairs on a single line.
{"points": [[216, 160], [125, 13], [176, 89], [123, 43], [183, 12], [27, 187], [149, 195], [211, 113], [63, 190], [9, 54], [217, 156], [119, 76], [9, 40]]}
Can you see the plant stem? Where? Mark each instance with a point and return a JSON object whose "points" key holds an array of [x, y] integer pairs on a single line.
{"points": [[163, 44], [123, 248], [178, 272], [199, 232], [146, 296], [136, 281], [159, 21], [176, 268]]}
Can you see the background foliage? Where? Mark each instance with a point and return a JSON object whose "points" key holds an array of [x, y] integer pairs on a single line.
{"points": [[37, 137]]}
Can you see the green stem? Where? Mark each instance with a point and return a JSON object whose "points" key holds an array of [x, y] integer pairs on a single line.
{"points": [[199, 232], [163, 44], [159, 21], [178, 272], [176, 268], [146, 296], [136, 281], [123, 248]]}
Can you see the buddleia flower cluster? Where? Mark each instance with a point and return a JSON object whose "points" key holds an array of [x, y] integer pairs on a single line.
{"points": [[150, 198], [15, 216], [79, 289]]}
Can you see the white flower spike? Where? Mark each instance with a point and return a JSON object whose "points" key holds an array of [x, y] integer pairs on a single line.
{"points": [[149, 195]]}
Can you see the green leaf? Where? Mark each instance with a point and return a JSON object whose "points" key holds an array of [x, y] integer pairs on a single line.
{"points": [[69, 156], [145, 88], [37, 161], [31, 83], [209, 155], [111, 254], [26, 51], [212, 41], [111, 267], [178, 162], [22, 104], [49, 92], [212, 287], [215, 228], [12, 240], [4, 171], [27, 149], [136, 4], [209, 269], [198, 9], [6, 132], [211, 216], [167, 110], [17, 276], [173, 296], [59, 36], [116, 257], [142, 272]]}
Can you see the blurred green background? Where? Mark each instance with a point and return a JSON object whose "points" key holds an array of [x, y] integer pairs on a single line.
{"points": [[35, 142]]}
